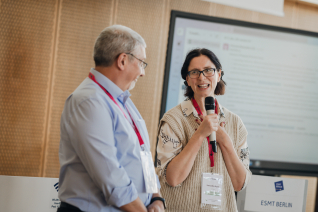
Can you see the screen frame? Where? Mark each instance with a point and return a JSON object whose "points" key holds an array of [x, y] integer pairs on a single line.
{"points": [[256, 166]]}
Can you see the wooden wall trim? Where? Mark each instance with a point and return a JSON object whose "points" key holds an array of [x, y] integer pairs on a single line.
{"points": [[58, 8]]}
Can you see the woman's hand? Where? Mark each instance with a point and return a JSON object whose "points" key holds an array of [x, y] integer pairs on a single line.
{"points": [[208, 124]]}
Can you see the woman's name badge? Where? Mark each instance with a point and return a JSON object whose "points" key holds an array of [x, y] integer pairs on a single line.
{"points": [[149, 172], [211, 190]]}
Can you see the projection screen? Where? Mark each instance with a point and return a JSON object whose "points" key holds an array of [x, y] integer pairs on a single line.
{"points": [[272, 84]]}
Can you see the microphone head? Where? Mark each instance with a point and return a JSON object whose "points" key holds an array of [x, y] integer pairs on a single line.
{"points": [[209, 103]]}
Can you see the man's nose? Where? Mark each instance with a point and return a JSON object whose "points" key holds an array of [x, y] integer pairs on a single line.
{"points": [[143, 73]]}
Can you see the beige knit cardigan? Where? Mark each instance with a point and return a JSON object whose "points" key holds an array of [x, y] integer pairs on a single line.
{"points": [[187, 196]]}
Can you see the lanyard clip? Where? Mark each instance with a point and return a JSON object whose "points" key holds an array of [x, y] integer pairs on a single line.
{"points": [[142, 147]]}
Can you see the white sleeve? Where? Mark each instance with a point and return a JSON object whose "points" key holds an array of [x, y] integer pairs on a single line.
{"points": [[168, 147], [244, 155]]}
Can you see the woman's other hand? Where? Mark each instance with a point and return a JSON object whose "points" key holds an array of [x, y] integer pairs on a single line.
{"points": [[221, 134]]}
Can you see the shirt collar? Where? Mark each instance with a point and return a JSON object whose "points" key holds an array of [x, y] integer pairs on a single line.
{"points": [[111, 87], [188, 108]]}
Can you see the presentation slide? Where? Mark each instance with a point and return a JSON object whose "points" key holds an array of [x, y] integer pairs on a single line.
{"points": [[272, 84]]}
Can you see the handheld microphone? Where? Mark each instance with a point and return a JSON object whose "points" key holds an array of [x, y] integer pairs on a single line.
{"points": [[210, 107]]}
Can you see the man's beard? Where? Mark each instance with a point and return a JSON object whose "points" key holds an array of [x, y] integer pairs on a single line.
{"points": [[132, 84]]}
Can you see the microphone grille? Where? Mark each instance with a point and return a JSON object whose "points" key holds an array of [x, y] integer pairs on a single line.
{"points": [[209, 103]]}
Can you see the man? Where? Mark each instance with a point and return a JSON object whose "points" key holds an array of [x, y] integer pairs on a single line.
{"points": [[104, 139]]}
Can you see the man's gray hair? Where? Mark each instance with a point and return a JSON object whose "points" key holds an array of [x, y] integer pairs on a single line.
{"points": [[113, 41]]}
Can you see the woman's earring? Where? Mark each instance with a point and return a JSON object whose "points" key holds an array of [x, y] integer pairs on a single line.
{"points": [[185, 83]]}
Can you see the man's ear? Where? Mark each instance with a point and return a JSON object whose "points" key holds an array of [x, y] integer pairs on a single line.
{"points": [[122, 61]]}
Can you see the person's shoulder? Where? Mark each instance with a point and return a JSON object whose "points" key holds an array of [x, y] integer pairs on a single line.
{"points": [[231, 116], [229, 113], [87, 97], [234, 120], [87, 91], [175, 119], [176, 115], [175, 111]]}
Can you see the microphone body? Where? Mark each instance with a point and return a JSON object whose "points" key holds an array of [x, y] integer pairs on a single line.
{"points": [[210, 108]]}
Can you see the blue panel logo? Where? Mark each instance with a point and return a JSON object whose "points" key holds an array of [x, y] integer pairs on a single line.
{"points": [[279, 186]]}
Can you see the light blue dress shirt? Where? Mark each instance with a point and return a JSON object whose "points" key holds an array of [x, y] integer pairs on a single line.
{"points": [[99, 154]]}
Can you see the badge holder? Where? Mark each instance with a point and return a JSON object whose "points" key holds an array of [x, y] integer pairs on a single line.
{"points": [[211, 190], [149, 172]]}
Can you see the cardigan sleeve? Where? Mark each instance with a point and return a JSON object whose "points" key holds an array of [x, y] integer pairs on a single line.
{"points": [[168, 147]]}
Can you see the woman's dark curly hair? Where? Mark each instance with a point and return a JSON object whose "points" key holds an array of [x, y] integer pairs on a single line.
{"points": [[220, 87]]}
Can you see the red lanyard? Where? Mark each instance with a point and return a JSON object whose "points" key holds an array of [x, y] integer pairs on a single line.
{"points": [[141, 142], [197, 107]]}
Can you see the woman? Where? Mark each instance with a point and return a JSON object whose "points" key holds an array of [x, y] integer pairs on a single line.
{"points": [[183, 148]]}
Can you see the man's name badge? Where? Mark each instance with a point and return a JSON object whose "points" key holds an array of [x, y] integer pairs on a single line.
{"points": [[149, 172]]}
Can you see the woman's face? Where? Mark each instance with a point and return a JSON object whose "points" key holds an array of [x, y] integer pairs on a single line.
{"points": [[203, 86]]}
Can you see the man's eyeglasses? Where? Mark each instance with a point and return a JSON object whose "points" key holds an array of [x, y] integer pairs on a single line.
{"points": [[209, 72], [142, 64]]}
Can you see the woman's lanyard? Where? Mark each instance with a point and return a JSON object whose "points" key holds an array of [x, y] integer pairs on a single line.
{"points": [[196, 106], [141, 142]]}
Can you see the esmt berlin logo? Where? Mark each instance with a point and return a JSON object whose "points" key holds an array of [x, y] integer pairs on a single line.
{"points": [[279, 186], [56, 186]]}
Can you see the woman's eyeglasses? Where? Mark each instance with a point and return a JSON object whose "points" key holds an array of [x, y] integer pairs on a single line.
{"points": [[194, 74]]}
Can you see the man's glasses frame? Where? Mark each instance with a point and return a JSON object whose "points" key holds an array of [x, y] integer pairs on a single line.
{"points": [[144, 64], [209, 72]]}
